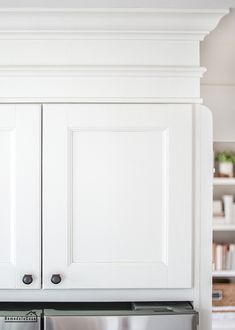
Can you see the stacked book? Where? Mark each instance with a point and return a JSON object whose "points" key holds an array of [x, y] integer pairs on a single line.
{"points": [[223, 257]]}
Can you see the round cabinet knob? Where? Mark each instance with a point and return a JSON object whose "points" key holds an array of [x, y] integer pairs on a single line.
{"points": [[27, 279], [56, 278]]}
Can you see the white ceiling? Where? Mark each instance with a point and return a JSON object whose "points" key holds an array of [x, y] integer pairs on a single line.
{"points": [[119, 3], [218, 53]]}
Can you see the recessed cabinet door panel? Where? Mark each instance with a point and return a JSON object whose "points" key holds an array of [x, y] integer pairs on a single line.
{"points": [[117, 195], [19, 195]]}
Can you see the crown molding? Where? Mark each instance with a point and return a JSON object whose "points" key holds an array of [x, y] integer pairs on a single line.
{"points": [[108, 23], [67, 69]]}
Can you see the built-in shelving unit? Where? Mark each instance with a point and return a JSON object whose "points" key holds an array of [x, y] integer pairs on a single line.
{"points": [[224, 234]]}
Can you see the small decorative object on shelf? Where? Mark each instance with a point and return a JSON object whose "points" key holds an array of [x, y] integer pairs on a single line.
{"points": [[218, 208], [224, 213], [225, 160], [228, 208]]}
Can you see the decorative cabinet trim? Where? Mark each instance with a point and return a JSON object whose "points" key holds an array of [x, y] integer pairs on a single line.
{"points": [[109, 23], [103, 71], [67, 55]]}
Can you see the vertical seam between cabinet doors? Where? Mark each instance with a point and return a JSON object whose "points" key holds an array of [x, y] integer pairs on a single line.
{"points": [[41, 275]]}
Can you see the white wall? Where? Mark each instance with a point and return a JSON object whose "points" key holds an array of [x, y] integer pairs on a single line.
{"points": [[218, 84]]}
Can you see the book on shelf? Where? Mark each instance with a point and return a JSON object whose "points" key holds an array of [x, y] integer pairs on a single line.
{"points": [[223, 257]]}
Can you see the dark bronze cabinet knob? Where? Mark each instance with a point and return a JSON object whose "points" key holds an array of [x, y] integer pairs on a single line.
{"points": [[56, 278], [27, 279]]}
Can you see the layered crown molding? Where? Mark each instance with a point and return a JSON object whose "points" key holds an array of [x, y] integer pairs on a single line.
{"points": [[99, 55], [193, 24]]}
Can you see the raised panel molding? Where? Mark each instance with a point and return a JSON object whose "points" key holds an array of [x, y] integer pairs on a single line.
{"points": [[79, 250], [20, 241], [7, 195]]}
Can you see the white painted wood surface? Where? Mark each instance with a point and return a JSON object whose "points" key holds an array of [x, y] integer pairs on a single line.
{"points": [[112, 174], [203, 168], [223, 320], [224, 227], [20, 195], [224, 181], [52, 4], [199, 293], [197, 23], [77, 55]]}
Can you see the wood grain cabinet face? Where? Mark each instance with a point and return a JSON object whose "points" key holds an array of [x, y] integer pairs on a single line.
{"points": [[20, 193], [117, 196]]}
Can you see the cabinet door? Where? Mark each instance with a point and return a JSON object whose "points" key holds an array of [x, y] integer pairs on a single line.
{"points": [[19, 195], [117, 187]]}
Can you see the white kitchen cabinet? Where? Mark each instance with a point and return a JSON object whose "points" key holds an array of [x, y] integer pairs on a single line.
{"points": [[117, 195], [20, 196]]}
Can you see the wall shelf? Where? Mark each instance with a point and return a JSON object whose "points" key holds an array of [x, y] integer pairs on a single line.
{"points": [[223, 273], [224, 181], [224, 227], [223, 309]]}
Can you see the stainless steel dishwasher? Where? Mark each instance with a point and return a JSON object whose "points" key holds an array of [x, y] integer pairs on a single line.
{"points": [[141, 316]]}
